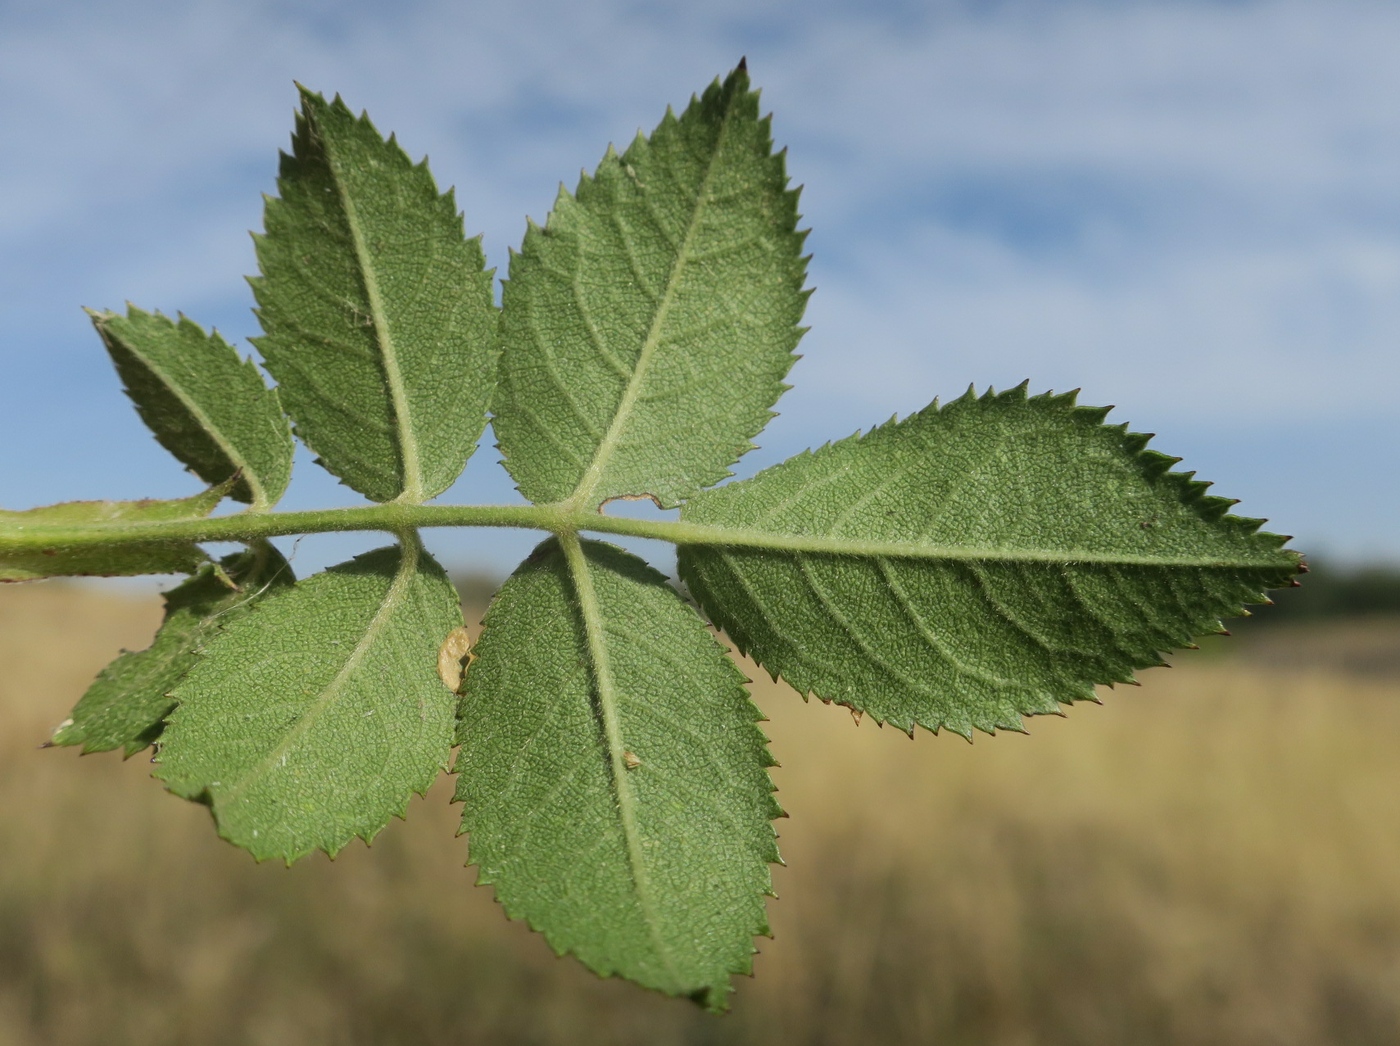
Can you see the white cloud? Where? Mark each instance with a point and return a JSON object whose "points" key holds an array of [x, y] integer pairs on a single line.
{"points": [[1231, 334]]}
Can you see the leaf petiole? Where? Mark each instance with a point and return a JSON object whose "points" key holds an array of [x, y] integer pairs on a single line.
{"points": [[394, 518]]}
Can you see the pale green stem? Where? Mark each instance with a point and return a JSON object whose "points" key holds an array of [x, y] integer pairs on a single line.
{"points": [[16, 536]]}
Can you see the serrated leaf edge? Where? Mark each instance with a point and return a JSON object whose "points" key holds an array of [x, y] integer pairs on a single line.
{"points": [[737, 85], [210, 627], [713, 997], [411, 552], [312, 105], [1190, 492], [262, 499]]}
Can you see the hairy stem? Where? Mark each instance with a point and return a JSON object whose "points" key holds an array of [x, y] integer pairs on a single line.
{"points": [[560, 519]]}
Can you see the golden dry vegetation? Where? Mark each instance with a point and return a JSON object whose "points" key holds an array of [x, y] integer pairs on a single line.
{"points": [[1212, 858]]}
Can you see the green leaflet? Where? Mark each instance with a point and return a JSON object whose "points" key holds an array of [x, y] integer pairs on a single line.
{"points": [[963, 568], [127, 704], [314, 717], [648, 326], [974, 564], [205, 405], [135, 557], [614, 778], [379, 319]]}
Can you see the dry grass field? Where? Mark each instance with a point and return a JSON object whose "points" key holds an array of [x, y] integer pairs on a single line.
{"points": [[1211, 858]]}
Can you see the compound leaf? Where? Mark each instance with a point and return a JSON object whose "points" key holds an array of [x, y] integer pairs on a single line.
{"points": [[976, 563], [648, 326], [205, 405], [57, 558], [378, 314], [315, 716], [614, 778], [127, 704]]}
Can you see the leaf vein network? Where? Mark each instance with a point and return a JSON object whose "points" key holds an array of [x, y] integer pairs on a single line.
{"points": [[935, 643], [625, 237], [566, 394], [604, 686], [594, 473], [834, 612], [368, 276], [408, 565], [595, 335]]}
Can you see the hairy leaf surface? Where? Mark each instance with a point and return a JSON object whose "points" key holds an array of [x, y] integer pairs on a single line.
{"points": [[379, 319], [314, 717], [614, 778], [127, 704], [976, 563], [648, 326], [205, 405], [60, 559]]}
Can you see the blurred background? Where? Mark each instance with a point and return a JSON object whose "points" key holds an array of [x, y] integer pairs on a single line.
{"points": [[1189, 209], [1212, 858]]}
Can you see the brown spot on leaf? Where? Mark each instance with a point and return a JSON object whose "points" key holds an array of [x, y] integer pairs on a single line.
{"points": [[453, 657], [630, 497]]}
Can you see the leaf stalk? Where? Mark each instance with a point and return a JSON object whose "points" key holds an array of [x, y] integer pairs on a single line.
{"points": [[559, 519]]}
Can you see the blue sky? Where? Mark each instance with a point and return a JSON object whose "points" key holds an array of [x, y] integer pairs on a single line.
{"points": [[1188, 209]]}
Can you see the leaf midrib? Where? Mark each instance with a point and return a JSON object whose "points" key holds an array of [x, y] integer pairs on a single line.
{"points": [[593, 475], [408, 441], [595, 633], [796, 544], [239, 462], [24, 534], [408, 564]]}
